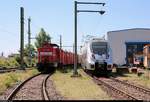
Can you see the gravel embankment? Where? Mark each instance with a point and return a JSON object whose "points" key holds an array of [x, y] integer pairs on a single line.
{"points": [[31, 90], [132, 91], [7, 92], [111, 93]]}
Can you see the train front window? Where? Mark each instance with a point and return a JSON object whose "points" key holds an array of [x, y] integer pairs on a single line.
{"points": [[99, 48]]}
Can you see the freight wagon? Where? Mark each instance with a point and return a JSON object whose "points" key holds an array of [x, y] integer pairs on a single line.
{"points": [[50, 57]]}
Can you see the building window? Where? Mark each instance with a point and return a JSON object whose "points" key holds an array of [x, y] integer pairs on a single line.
{"points": [[139, 48], [148, 49]]}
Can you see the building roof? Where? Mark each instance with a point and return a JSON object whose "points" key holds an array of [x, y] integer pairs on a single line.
{"points": [[146, 42], [130, 29], [147, 45]]}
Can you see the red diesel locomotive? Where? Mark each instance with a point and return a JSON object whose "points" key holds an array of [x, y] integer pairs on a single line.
{"points": [[50, 57]]}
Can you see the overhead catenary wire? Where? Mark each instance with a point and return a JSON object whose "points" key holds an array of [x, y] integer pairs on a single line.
{"points": [[94, 29], [4, 30]]}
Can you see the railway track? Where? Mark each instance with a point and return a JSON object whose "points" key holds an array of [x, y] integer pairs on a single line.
{"points": [[116, 90], [44, 88], [140, 93], [119, 92], [34, 88], [140, 88], [123, 89], [5, 70], [11, 70]]}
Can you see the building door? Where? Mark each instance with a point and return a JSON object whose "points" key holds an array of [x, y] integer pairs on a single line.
{"points": [[130, 50]]}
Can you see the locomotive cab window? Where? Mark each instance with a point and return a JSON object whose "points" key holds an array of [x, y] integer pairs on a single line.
{"points": [[99, 48]]}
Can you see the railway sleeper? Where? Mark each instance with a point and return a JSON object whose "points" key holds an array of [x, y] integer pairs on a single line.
{"points": [[117, 90], [133, 86]]}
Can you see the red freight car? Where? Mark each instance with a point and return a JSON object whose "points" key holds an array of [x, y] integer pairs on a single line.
{"points": [[50, 57], [61, 53]]}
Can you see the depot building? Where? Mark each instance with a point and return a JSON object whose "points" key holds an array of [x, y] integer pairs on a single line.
{"points": [[127, 45]]}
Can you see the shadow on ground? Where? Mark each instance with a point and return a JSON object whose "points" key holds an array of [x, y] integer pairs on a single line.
{"points": [[66, 69]]}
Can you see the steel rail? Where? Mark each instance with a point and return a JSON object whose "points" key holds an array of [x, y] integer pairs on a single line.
{"points": [[99, 82], [14, 92], [44, 89], [8, 70], [145, 90], [12, 70], [114, 89]]}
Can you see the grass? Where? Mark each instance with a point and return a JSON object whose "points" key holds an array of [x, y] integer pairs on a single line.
{"points": [[9, 79], [79, 88]]}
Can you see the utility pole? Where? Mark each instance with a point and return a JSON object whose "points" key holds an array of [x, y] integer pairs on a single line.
{"points": [[60, 42], [29, 41], [60, 51], [22, 37], [75, 41], [75, 73], [73, 48]]}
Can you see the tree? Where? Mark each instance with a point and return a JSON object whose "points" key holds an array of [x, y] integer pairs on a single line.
{"points": [[27, 61], [27, 50], [41, 38]]}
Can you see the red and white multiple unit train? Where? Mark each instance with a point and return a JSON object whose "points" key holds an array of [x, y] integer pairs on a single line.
{"points": [[50, 57], [96, 55]]}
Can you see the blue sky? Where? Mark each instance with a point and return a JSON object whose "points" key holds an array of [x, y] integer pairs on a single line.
{"points": [[57, 17]]}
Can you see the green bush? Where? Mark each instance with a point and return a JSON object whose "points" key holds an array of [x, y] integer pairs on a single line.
{"points": [[2, 62], [10, 62], [13, 62], [26, 62]]}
